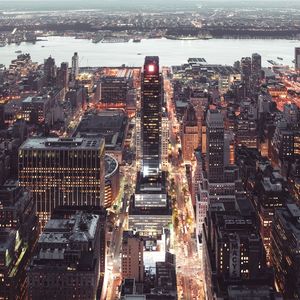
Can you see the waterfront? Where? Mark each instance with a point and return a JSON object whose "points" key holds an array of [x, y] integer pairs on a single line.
{"points": [[171, 52]]}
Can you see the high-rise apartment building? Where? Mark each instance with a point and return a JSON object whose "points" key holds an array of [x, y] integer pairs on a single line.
{"points": [[132, 257], [68, 171], [215, 146], [75, 66], [151, 116]]}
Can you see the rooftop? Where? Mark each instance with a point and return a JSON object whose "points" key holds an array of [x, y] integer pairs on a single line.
{"points": [[62, 143]]}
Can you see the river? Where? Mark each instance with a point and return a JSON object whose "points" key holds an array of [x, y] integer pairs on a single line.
{"points": [[171, 52]]}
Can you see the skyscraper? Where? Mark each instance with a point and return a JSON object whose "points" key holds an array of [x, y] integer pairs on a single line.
{"points": [[215, 146], [246, 65], [255, 72], [63, 75], [63, 172], [297, 58], [75, 66], [151, 116], [50, 70]]}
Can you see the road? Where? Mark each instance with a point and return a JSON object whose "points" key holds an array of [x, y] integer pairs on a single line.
{"points": [[189, 275]]}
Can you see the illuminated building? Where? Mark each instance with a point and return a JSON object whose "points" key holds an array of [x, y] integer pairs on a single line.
{"points": [[66, 263], [18, 234], [215, 146], [190, 135], [113, 92], [285, 250], [246, 133], [297, 58], [75, 66], [132, 260], [150, 210], [269, 193], [233, 252], [35, 109], [112, 180], [151, 116], [68, 171], [138, 142], [285, 144]]}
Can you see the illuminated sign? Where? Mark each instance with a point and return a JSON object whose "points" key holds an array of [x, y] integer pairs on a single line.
{"points": [[234, 259]]}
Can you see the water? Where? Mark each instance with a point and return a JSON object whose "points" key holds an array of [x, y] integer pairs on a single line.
{"points": [[171, 52]]}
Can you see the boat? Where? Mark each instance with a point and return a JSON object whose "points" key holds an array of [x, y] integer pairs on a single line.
{"points": [[139, 54], [280, 58], [18, 51], [42, 46], [136, 40]]}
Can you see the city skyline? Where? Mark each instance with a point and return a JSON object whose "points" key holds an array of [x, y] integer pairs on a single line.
{"points": [[150, 153]]}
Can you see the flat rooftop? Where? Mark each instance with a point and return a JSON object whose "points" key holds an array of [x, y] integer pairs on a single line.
{"points": [[110, 125], [62, 143]]}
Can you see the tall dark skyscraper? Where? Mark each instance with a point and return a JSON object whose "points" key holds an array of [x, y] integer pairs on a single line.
{"points": [[151, 116], [215, 146], [246, 65]]}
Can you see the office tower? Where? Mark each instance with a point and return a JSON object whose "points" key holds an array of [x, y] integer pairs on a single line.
{"points": [[246, 66], [67, 171], [66, 263], [132, 257], [75, 66], [113, 92], [18, 234], [151, 116], [190, 134], [255, 72], [297, 58], [285, 144], [50, 71], [285, 250], [63, 75], [215, 146], [150, 210]]}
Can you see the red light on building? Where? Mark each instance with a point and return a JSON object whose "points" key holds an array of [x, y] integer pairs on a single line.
{"points": [[151, 68]]}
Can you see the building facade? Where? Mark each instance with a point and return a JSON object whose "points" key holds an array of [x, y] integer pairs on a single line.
{"points": [[59, 172]]}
